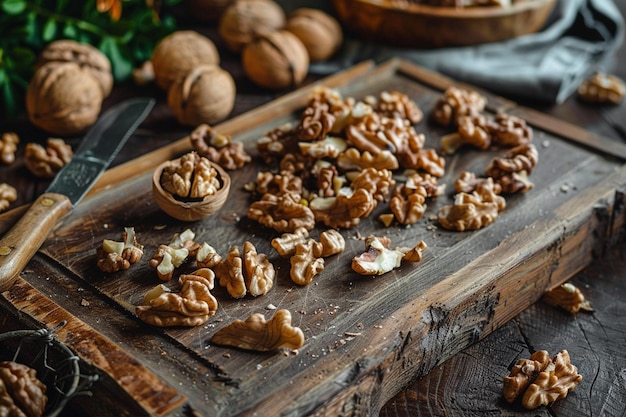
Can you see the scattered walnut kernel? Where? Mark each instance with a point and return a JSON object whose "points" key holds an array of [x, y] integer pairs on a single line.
{"points": [[602, 88], [191, 307], [284, 213], [379, 259], [541, 380], [115, 256], [285, 245], [457, 102], [218, 147], [8, 146], [246, 271], [256, 333], [569, 297], [305, 265], [21, 393], [8, 194], [472, 211], [167, 258], [46, 162]]}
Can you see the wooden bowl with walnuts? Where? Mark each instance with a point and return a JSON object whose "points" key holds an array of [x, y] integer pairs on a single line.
{"points": [[421, 23], [191, 187]]}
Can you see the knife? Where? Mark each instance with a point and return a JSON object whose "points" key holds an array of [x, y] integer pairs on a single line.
{"points": [[98, 148]]}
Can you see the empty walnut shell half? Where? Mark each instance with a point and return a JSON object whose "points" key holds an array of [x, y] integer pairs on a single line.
{"points": [[190, 209]]}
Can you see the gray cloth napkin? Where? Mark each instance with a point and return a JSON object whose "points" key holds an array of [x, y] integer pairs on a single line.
{"points": [[578, 39]]}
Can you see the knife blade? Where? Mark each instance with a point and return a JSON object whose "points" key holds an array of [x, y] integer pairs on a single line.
{"points": [[98, 148]]}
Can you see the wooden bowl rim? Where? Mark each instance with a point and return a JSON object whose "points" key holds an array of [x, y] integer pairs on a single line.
{"points": [[518, 6]]}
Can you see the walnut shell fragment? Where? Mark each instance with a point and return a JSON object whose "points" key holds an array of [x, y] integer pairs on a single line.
{"points": [[21, 393], [380, 259], [541, 380], [256, 333], [568, 297]]}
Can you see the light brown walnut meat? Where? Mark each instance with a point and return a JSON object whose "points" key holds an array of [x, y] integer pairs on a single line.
{"points": [[8, 146], [46, 162], [468, 182], [285, 245], [541, 380], [191, 307], [379, 259], [602, 88], [455, 103], [246, 271], [207, 256], [408, 210], [512, 170], [472, 211], [568, 297], [257, 333], [305, 265], [168, 257], [377, 182], [510, 131], [344, 211], [193, 177], [316, 122], [471, 130], [329, 147], [353, 159], [284, 182], [114, 256], [283, 213], [21, 393], [8, 194], [395, 103], [218, 147], [332, 243]]}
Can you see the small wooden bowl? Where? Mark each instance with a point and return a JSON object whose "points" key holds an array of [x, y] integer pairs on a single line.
{"points": [[190, 211], [421, 26]]}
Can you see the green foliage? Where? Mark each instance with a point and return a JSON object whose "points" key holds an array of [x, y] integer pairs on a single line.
{"points": [[27, 26]]}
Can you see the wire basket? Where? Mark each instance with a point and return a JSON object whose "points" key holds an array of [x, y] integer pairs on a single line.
{"points": [[56, 365]]}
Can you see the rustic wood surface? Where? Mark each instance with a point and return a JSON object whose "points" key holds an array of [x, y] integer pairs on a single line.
{"points": [[455, 388]]}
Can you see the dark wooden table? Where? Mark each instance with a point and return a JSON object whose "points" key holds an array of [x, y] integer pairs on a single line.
{"points": [[470, 383]]}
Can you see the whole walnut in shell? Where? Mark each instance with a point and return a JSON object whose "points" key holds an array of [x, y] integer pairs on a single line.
{"points": [[244, 20], [205, 95], [87, 56], [176, 54], [63, 98], [276, 61], [319, 32]]}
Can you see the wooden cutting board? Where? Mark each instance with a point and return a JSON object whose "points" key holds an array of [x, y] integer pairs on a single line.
{"points": [[366, 337]]}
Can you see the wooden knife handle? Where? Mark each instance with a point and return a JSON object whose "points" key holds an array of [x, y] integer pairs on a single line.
{"points": [[21, 243]]}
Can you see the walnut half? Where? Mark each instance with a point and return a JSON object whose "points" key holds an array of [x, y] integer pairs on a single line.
{"points": [[21, 393], [256, 333], [540, 380]]}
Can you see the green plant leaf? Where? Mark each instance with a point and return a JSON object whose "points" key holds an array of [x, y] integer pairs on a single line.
{"points": [[49, 30], [13, 7], [118, 55]]}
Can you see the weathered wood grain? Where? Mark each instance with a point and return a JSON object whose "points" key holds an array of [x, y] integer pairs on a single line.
{"points": [[366, 337]]}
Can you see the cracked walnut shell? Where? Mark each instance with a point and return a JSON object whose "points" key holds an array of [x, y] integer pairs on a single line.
{"points": [[319, 32], [277, 60], [205, 94], [256, 333], [190, 188]]}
